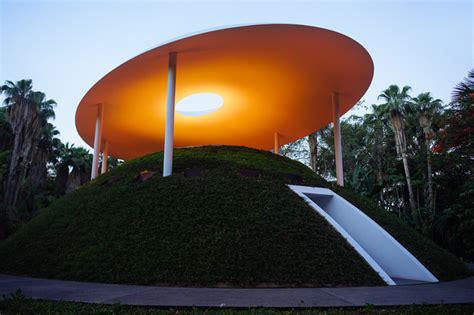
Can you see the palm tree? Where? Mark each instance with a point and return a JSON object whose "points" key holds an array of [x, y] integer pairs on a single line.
{"points": [[45, 141], [313, 150], [457, 135], [62, 165], [396, 101], [81, 168], [375, 121], [46, 150], [26, 112], [464, 91], [72, 168], [18, 104], [426, 108]]}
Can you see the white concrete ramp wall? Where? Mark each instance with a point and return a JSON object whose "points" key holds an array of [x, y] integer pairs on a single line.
{"points": [[393, 262]]}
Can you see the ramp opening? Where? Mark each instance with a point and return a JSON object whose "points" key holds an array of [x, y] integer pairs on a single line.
{"points": [[394, 263]]}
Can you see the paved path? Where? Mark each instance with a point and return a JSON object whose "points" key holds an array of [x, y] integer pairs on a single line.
{"points": [[460, 291]]}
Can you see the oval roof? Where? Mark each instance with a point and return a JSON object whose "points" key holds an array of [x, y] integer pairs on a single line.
{"points": [[272, 77]]}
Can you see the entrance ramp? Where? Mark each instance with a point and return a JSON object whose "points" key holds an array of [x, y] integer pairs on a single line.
{"points": [[393, 262]]}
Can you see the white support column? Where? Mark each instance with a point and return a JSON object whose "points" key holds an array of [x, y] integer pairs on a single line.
{"points": [[337, 139], [105, 157], [97, 142], [170, 105], [276, 143]]}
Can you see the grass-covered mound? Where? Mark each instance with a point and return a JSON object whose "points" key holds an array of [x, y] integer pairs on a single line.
{"points": [[225, 217]]}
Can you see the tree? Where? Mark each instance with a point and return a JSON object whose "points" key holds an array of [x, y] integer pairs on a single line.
{"points": [[426, 107], [313, 150], [454, 143], [396, 101], [45, 143], [374, 123], [81, 169], [464, 91], [438, 141], [73, 168], [26, 111], [296, 150], [326, 156]]}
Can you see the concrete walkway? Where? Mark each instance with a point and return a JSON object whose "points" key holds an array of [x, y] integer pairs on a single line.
{"points": [[460, 291]]}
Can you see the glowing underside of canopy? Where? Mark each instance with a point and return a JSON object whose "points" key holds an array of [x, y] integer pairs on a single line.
{"points": [[272, 78]]}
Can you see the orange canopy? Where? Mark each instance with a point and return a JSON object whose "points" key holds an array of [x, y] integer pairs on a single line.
{"points": [[273, 78]]}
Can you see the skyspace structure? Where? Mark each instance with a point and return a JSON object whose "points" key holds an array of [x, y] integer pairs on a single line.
{"points": [[260, 86]]}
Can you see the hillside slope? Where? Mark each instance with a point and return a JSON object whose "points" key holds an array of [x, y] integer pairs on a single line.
{"points": [[225, 218]]}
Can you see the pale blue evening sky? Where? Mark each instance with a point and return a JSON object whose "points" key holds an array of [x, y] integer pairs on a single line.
{"points": [[66, 46]]}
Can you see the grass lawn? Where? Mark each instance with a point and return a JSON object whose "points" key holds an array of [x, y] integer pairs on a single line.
{"points": [[17, 304], [225, 218]]}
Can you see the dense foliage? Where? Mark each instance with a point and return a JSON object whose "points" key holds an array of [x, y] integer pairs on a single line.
{"points": [[35, 166], [411, 155]]}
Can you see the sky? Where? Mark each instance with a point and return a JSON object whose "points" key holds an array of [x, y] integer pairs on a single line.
{"points": [[67, 46]]}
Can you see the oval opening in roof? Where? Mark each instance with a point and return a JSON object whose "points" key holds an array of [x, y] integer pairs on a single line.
{"points": [[199, 104]]}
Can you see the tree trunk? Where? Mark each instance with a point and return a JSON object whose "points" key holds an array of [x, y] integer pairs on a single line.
{"points": [[313, 150], [379, 154], [26, 127], [73, 181], [425, 121], [398, 205], [400, 143], [430, 199], [85, 176], [38, 172], [62, 174], [409, 186], [14, 173], [380, 178]]}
